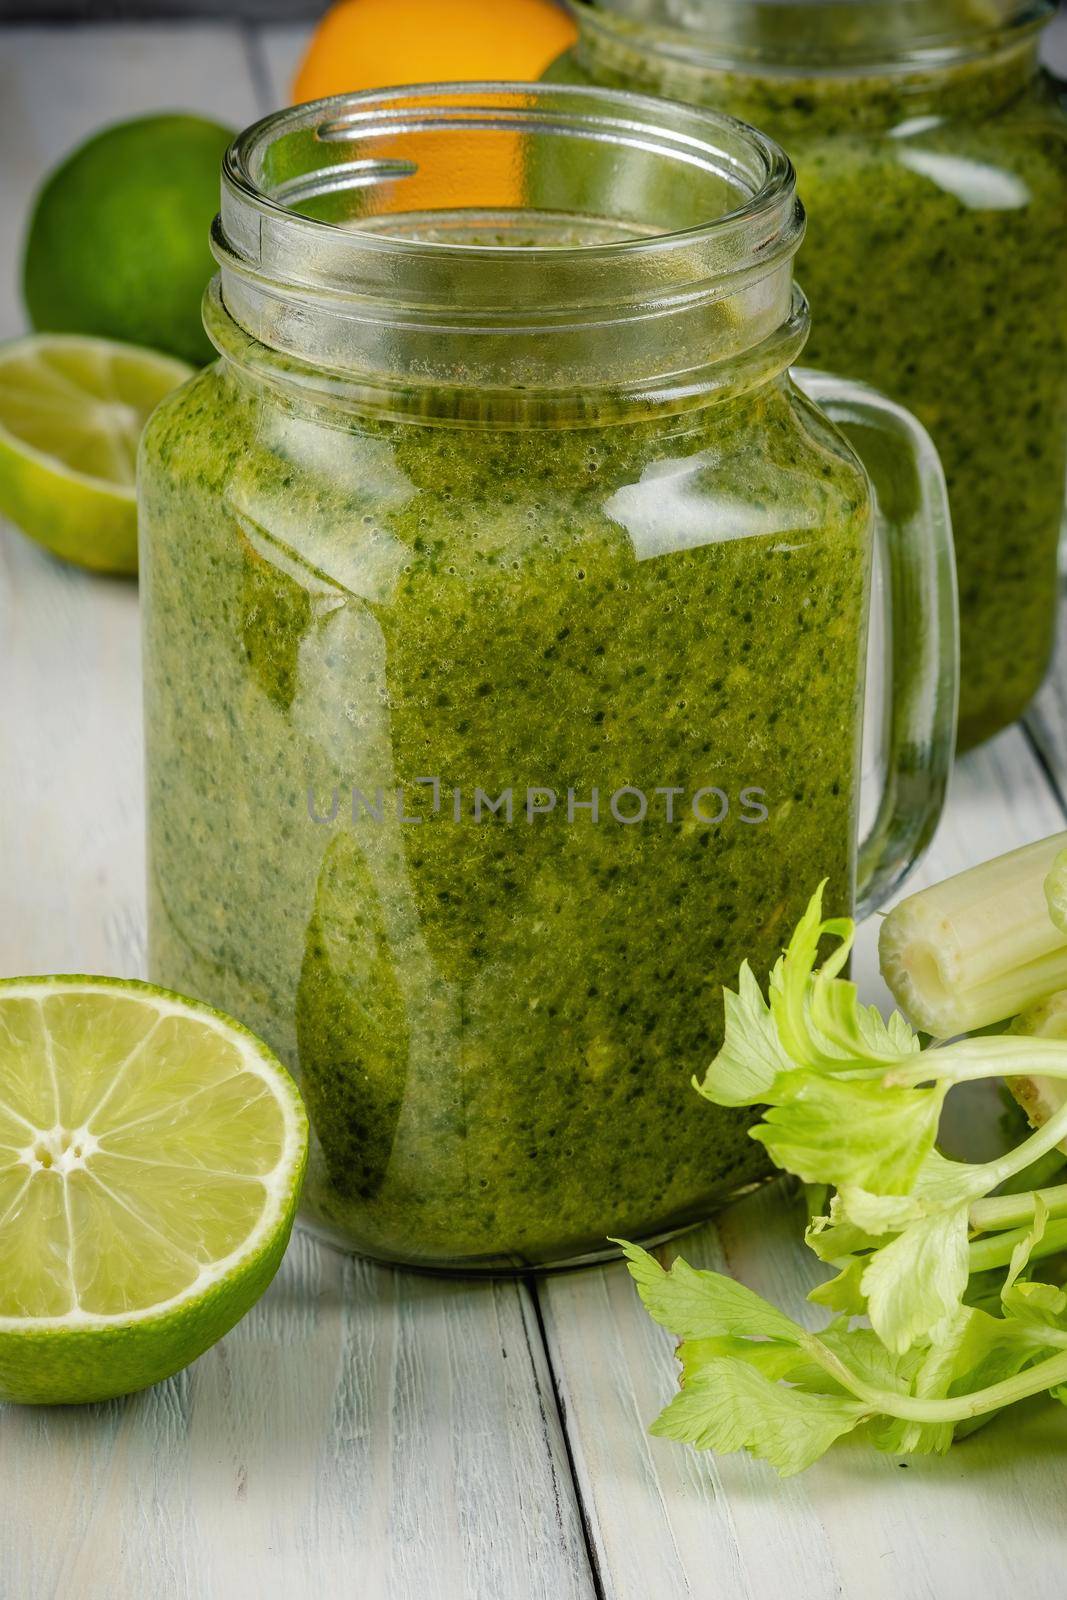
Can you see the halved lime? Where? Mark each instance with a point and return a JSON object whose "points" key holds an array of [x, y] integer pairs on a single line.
{"points": [[71, 414], [151, 1156]]}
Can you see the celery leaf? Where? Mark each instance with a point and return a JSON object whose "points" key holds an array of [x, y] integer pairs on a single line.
{"points": [[729, 1405], [751, 1060], [833, 1130], [915, 1284], [701, 1305]]}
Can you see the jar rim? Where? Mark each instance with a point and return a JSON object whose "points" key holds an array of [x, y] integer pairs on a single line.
{"points": [[260, 231], [578, 214]]}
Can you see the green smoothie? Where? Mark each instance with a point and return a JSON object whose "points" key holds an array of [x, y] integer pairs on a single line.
{"points": [[478, 758], [934, 260]]}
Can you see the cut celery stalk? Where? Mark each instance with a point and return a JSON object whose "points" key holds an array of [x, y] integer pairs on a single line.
{"points": [[978, 948], [1056, 892], [1041, 1097]]}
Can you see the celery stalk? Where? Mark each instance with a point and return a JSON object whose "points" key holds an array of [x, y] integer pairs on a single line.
{"points": [[1041, 1097], [980, 947], [995, 1249], [1013, 1210], [1056, 891]]}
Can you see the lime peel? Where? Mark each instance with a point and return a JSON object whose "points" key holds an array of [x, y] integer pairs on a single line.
{"points": [[72, 409], [143, 1112]]}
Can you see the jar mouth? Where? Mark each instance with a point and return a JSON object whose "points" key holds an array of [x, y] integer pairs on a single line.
{"points": [[816, 36], [523, 189], [523, 234]]}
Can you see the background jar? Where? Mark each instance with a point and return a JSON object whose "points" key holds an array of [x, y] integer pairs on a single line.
{"points": [[505, 615], [932, 158]]}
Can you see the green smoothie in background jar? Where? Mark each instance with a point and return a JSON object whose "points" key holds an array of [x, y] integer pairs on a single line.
{"points": [[505, 630], [932, 160]]}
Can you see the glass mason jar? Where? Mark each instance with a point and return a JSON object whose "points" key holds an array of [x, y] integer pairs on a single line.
{"points": [[932, 160], [505, 608]]}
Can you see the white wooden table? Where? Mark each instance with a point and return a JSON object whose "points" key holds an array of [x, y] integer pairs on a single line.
{"points": [[367, 1433]]}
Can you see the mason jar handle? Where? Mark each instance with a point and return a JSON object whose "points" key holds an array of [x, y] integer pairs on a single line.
{"points": [[921, 689]]}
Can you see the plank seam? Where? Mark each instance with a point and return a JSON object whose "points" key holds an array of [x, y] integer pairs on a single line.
{"points": [[588, 1538], [1040, 756]]}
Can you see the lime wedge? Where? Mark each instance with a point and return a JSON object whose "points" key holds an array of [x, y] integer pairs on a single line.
{"points": [[71, 413], [151, 1156]]}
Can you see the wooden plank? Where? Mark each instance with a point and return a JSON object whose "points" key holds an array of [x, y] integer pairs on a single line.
{"points": [[282, 50], [1047, 718], [664, 1520], [70, 782], [362, 1430], [393, 1435]]}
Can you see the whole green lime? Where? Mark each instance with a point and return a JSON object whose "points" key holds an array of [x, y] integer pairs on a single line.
{"points": [[118, 240]]}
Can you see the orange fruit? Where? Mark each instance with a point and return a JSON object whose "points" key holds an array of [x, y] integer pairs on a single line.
{"points": [[373, 44]]}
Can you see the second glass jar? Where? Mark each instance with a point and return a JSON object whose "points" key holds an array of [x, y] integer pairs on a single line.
{"points": [[931, 153]]}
